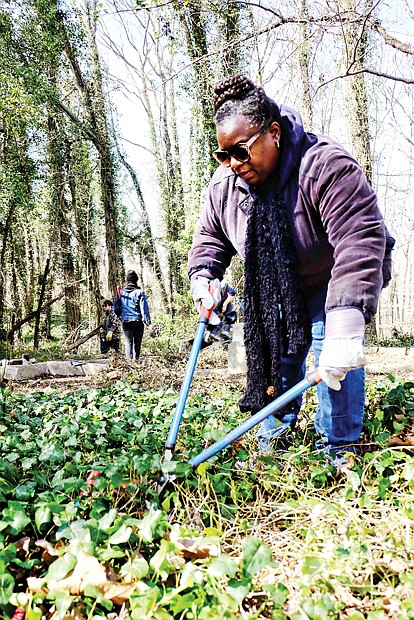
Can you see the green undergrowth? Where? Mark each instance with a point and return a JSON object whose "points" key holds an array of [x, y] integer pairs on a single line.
{"points": [[163, 340], [84, 535]]}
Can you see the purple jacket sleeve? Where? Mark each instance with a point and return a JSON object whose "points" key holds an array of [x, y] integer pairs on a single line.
{"points": [[356, 230], [211, 251]]}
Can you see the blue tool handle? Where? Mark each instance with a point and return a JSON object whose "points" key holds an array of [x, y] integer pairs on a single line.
{"points": [[188, 375], [311, 379]]}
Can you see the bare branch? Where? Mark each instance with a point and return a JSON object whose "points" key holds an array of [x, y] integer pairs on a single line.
{"points": [[80, 341], [77, 121], [409, 9], [365, 70], [406, 48], [321, 21], [387, 76]]}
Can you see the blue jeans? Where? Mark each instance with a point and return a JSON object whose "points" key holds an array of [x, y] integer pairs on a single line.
{"points": [[339, 416]]}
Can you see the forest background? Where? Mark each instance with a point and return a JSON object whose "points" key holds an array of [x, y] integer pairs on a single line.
{"points": [[107, 134]]}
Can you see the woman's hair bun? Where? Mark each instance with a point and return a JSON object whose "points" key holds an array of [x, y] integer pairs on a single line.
{"points": [[234, 87]]}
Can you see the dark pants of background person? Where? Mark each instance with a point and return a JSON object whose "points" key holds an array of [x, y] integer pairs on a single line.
{"points": [[109, 344], [133, 331]]}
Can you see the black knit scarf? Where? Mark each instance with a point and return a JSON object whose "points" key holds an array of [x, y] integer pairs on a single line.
{"points": [[274, 307]]}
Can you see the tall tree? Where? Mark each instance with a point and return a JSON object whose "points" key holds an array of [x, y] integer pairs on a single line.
{"points": [[356, 39], [304, 59], [18, 117], [91, 88]]}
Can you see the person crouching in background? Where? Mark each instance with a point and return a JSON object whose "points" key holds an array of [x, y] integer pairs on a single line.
{"points": [[110, 332]]}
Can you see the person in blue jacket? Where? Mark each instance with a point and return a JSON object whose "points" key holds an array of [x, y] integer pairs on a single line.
{"points": [[135, 313]]}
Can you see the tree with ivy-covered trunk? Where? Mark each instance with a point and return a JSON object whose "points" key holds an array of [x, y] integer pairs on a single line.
{"points": [[90, 84], [18, 117]]}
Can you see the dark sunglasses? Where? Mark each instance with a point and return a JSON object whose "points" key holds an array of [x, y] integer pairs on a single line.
{"points": [[240, 151]]}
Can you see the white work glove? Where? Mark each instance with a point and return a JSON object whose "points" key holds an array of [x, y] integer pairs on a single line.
{"points": [[343, 346], [203, 296], [109, 336]]}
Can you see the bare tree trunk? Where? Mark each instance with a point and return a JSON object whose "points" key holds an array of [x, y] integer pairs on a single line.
{"points": [[36, 336], [5, 236], [305, 53], [146, 242], [356, 41]]}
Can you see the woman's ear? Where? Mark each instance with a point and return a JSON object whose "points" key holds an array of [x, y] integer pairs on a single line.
{"points": [[275, 131]]}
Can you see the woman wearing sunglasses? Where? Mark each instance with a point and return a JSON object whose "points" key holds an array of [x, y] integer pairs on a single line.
{"points": [[299, 210]]}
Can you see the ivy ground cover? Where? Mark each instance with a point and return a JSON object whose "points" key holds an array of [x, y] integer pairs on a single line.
{"points": [[84, 535]]}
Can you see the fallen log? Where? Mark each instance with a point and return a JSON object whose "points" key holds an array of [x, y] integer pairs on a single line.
{"points": [[32, 315], [80, 341]]}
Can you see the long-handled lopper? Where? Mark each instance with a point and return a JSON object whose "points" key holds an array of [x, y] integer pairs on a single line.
{"points": [[182, 398], [311, 379]]}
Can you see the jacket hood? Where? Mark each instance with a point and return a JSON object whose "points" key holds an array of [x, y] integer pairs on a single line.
{"points": [[129, 286], [295, 142]]}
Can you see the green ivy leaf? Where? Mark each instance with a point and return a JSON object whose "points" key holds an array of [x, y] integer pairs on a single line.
{"points": [[149, 525], [256, 556], [159, 561], [408, 578], [106, 521], [109, 553], [182, 602], [95, 593], [42, 515], [353, 479], [62, 566], [143, 605], [63, 601], [15, 517], [116, 479], [317, 610], [238, 590], [6, 588], [311, 564], [223, 566], [408, 472], [122, 535], [278, 594], [138, 567]]}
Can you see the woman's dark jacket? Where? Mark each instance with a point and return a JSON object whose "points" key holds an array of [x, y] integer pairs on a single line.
{"points": [[337, 227]]}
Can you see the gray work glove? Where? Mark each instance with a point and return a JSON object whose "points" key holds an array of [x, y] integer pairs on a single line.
{"points": [[343, 346]]}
